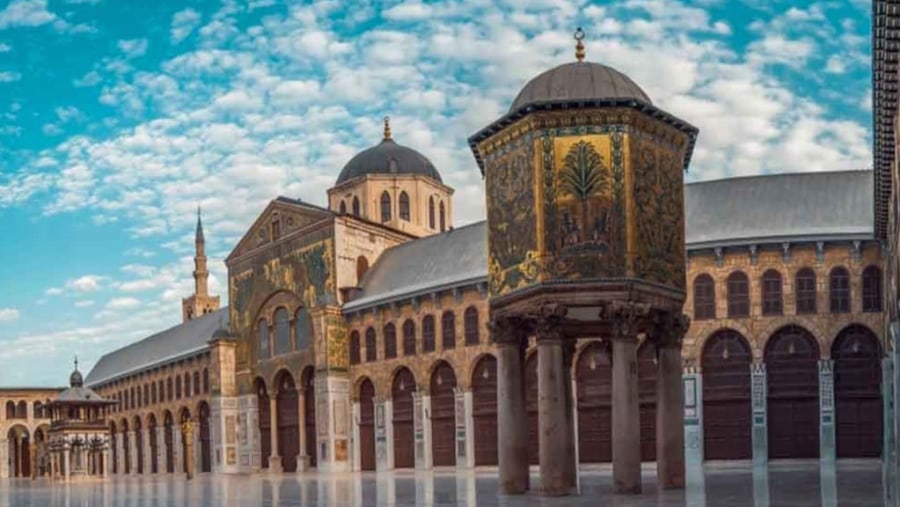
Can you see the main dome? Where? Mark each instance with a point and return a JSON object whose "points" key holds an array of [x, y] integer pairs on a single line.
{"points": [[578, 81], [388, 157]]}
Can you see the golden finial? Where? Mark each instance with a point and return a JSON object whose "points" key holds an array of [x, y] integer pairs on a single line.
{"points": [[579, 45], [387, 128]]}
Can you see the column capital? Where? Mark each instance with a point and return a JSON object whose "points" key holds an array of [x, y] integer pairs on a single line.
{"points": [[668, 328], [549, 329], [627, 318], [509, 330]]}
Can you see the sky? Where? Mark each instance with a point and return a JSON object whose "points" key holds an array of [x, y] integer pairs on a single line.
{"points": [[119, 118]]}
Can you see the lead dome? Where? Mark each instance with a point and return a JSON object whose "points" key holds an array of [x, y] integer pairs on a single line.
{"points": [[388, 157]]}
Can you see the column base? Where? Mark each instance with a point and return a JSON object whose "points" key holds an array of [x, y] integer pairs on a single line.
{"points": [[303, 463], [626, 489], [275, 465]]}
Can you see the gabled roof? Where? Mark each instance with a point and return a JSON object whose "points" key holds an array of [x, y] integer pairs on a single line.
{"points": [[177, 342], [314, 213]]}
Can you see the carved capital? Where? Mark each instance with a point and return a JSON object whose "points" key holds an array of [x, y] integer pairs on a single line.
{"points": [[627, 319], [669, 329], [549, 328], [509, 330]]}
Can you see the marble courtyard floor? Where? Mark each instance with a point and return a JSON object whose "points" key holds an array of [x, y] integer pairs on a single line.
{"points": [[783, 484]]}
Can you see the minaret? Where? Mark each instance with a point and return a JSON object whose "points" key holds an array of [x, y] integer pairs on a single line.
{"points": [[200, 303]]}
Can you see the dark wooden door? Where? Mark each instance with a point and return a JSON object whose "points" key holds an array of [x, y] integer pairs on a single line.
{"points": [[265, 426], [114, 449], [531, 408], [402, 403], [857, 393], [139, 446], [367, 425], [443, 416], [205, 447], [792, 378], [593, 377], [727, 425], [484, 411], [309, 415], [288, 417], [647, 395], [126, 455], [170, 451], [154, 445]]}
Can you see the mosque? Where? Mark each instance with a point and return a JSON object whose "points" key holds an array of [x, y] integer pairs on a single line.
{"points": [[360, 336]]}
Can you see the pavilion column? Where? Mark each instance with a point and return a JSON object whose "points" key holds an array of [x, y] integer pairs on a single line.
{"points": [[161, 449], [556, 451], [274, 458], [105, 455], [67, 472], [670, 404], [626, 421], [510, 336]]}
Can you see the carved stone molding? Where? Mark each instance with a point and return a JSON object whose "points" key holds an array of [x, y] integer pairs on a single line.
{"points": [[509, 330], [669, 328], [627, 319], [549, 328]]}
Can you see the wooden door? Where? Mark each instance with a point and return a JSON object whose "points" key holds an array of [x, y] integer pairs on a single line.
{"points": [[139, 445], [288, 416], [170, 451], [792, 378], [154, 445], [205, 447], [126, 455], [367, 425], [309, 415], [593, 377], [443, 416], [402, 403], [647, 394], [531, 409], [857, 393], [484, 411], [725, 361], [265, 426]]}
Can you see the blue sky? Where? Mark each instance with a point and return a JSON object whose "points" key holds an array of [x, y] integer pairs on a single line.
{"points": [[117, 119]]}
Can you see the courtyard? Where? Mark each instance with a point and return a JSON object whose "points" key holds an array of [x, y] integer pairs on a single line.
{"points": [[854, 483]]}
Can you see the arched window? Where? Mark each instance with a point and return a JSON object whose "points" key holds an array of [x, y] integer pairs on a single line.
{"points": [[805, 290], [196, 383], [355, 206], [22, 410], [153, 393], [282, 332], [161, 390], [132, 401], [205, 381], [409, 338], [38, 410], [470, 321], [187, 385], [431, 212], [428, 333], [371, 347], [178, 387], [772, 300], [263, 336], [872, 289], [302, 328], [127, 404], [448, 330], [738, 295], [362, 265], [10, 410], [443, 217], [170, 393], [146, 394], [343, 208], [385, 207], [839, 290], [404, 206], [354, 347], [390, 341], [704, 297]]}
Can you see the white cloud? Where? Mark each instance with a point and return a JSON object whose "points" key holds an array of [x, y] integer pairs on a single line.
{"points": [[183, 23], [54, 291], [409, 11], [8, 314], [133, 48], [5, 48], [127, 303], [25, 13], [9, 76], [84, 303], [835, 65], [86, 283], [90, 79]]}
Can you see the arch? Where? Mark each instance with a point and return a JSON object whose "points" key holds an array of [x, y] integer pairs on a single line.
{"points": [[646, 367], [443, 216], [282, 331], [177, 387], [262, 337], [342, 207], [307, 384], [126, 447], [725, 363], [19, 440], [169, 390], [704, 297], [288, 420], [354, 348], [367, 424], [738, 295], [264, 419], [139, 444], [404, 206], [37, 408], [22, 410], [409, 338], [470, 323], [443, 415], [772, 293], [792, 380], [593, 377], [168, 437], [153, 398], [205, 437], [428, 333], [385, 206], [153, 443], [362, 266], [531, 407], [448, 330], [805, 291], [431, 212], [187, 385], [113, 448], [196, 383], [857, 393], [402, 387], [484, 410], [10, 410], [371, 345], [390, 340], [303, 329], [872, 292], [839, 290], [355, 206]]}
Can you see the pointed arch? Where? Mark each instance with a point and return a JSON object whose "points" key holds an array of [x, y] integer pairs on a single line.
{"points": [[409, 338], [342, 208], [725, 362], [792, 383], [704, 297], [402, 387], [385, 206], [404, 206], [282, 331], [356, 211]]}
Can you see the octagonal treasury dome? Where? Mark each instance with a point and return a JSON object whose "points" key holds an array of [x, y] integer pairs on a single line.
{"points": [[388, 157]]}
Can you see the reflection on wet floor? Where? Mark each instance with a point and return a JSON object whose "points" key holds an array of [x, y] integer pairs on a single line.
{"points": [[780, 484]]}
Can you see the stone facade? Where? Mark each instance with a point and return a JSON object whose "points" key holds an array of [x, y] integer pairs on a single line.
{"points": [[24, 421]]}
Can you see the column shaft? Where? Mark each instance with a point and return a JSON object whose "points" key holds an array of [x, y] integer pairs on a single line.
{"points": [[274, 458], [302, 459], [512, 421], [626, 426], [669, 418], [552, 416]]}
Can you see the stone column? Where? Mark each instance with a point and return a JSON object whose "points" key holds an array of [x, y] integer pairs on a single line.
{"points": [[274, 458], [509, 335], [826, 411], [106, 454], [758, 402], [66, 468], [119, 458], [4, 457], [626, 422], [187, 431], [302, 458], [177, 466], [32, 455], [553, 417], [161, 449], [132, 454], [669, 403]]}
